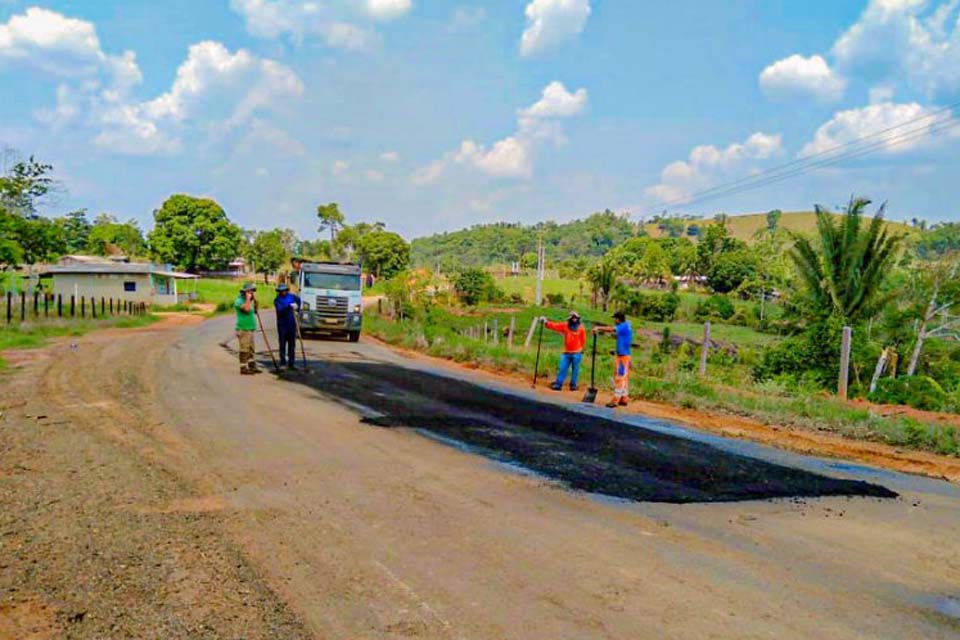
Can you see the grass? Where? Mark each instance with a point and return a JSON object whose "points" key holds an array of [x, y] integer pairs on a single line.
{"points": [[526, 286], [668, 377], [34, 334]]}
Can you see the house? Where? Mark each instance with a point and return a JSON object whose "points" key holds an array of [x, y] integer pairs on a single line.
{"points": [[133, 282]]}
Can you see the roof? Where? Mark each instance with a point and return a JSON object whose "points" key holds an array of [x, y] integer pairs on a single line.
{"points": [[93, 268]]}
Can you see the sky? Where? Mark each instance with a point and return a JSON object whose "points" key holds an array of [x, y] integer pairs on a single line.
{"points": [[432, 116]]}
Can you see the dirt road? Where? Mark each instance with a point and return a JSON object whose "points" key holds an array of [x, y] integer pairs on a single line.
{"points": [[433, 527]]}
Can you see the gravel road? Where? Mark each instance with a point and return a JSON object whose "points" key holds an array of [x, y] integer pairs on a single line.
{"points": [[150, 491]]}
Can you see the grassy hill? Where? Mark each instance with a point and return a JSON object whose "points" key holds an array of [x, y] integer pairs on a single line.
{"points": [[744, 226]]}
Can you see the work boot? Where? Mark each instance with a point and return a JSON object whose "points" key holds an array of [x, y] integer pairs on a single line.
{"points": [[624, 402], [556, 387], [252, 366], [613, 404], [574, 387], [246, 372]]}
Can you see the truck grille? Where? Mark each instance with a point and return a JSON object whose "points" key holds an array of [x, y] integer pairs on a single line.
{"points": [[331, 307]]}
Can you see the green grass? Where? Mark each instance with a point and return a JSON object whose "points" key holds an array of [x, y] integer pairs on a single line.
{"points": [[669, 378], [526, 286], [34, 334]]}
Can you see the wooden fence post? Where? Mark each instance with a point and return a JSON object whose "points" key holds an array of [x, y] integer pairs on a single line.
{"points": [[36, 304], [73, 306], [103, 307], [83, 306], [46, 305], [704, 349], [533, 327], [496, 331], [844, 363], [486, 332], [513, 327], [9, 307], [59, 305], [23, 306]]}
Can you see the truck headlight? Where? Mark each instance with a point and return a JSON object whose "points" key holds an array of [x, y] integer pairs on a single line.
{"points": [[357, 308]]}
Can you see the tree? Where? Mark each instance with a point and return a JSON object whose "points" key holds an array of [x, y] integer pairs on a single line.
{"points": [[654, 265], [76, 230], [773, 219], [25, 184], [384, 253], [194, 233], [603, 278], [266, 253], [330, 218], [731, 269], [40, 239], [844, 267], [108, 235], [474, 286], [940, 288]]}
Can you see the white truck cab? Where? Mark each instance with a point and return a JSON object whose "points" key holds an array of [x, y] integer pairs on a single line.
{"points": [[332, 298]]}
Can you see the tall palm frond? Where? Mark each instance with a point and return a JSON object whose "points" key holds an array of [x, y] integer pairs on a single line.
{"points": [[846, 263]]}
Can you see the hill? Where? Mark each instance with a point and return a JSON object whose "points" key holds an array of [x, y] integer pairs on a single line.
{"points": [[745, 226]]}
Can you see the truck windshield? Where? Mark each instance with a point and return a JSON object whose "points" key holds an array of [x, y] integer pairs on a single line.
{"points": [[338, 281]]}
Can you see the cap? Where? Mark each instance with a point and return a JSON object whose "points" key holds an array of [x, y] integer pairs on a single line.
{"points": [[574, 314], [283, 287], [248, 286]]}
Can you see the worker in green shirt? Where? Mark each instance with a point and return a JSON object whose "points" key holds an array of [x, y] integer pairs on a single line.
{"points": [[246, 306]]}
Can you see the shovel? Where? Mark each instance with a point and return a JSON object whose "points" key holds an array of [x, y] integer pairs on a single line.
{"points": [[591, 395], [303, 351], [276, 367]]}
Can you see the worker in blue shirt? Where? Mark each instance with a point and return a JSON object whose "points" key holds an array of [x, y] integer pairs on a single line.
{"points": [[288, 310], [621, 366]]}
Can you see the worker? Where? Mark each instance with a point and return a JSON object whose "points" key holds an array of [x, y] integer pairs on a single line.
{"points": [[293, 278], [288, 310], [246, 306], [621, 366], [574, 339]]}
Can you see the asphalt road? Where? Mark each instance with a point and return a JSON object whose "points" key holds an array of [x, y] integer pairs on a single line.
{"points": [[369, 515]]}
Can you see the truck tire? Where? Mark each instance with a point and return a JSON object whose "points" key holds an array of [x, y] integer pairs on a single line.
{"points": [[354, 336]]}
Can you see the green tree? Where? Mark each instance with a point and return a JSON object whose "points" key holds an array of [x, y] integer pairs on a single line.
{"points": [[108, 234], [474, 286], [731, 269], [76, 230], [843, 268], [330, 218], [266, 253], [40, 239], [194, 233], [654, 265], [773, 219], [384, 253], [24, 185], [603, 278]]}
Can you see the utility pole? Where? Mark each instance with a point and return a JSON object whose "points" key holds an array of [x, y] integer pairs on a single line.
{"points": [[540, 268]]}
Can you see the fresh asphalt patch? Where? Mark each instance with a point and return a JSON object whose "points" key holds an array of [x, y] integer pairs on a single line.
{"points": [[584, 452]]}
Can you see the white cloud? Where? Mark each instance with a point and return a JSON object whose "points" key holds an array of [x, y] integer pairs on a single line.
{"points": [[557, 102], [334, 23], [550, 22], [852, 124], [213, 86], [339, 167], [881, 93], [512, 157], [798, 76], [707, 166], [904, 41], [390, 156], [58, 45], [387, 9]]}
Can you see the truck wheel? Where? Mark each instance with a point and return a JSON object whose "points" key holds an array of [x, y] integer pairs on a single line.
{"points": [[354, 336]]}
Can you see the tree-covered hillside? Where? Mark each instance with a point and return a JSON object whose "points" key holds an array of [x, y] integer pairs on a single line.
{"points": [[502, 242]]}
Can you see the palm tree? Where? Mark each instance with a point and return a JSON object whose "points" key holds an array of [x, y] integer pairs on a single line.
{"points": [[603, 278], [844, 272], [330, 218]]}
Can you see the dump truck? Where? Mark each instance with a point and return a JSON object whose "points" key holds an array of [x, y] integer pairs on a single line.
{"points": [[331, 298]]}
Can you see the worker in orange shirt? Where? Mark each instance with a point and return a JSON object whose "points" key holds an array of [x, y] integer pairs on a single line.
{"points": [[574, 339]]}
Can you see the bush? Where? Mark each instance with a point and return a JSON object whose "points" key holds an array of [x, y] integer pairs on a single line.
{"points": [[474, 286], [919, 392], [660, 307], [556, 299], [716, 307], [516, 298]]}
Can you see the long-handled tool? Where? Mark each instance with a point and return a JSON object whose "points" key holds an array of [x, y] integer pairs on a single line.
{"points": [[591, 395], [266, 341], [536, 364], [303, 350]]}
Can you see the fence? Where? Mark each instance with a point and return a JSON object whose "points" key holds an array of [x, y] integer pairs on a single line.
{"points": [[21, 307]]}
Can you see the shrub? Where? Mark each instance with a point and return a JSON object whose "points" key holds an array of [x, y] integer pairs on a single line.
{"points": [[516, 298], [556, 299], [716, 307], [660, 307], [919, 392], [474, 286]]}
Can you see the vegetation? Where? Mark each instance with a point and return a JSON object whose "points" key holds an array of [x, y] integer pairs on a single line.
{"points": [[194, 234]]}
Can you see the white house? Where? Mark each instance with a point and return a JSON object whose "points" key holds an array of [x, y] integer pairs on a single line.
{"points": [[150, 283]]}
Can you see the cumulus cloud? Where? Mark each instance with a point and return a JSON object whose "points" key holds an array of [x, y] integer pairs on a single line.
{"points": [[798, 76], [551, 22], [912, 41], [512, 157], [58, 45], [852, 124], [707, 166], [334, 23], [212, 86]]}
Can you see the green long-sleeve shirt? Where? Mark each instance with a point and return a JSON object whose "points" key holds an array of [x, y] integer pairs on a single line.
{"points": [[246, 320]]}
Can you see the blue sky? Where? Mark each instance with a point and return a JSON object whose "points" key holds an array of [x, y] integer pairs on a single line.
{"points": [[432, 116]]}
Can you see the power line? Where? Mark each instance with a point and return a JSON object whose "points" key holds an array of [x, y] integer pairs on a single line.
{"points": [[802, 163]]}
